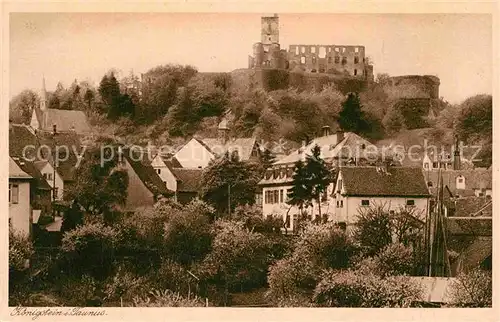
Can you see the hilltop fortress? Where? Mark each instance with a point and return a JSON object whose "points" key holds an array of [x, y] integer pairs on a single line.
{"points": [[330, 59]]}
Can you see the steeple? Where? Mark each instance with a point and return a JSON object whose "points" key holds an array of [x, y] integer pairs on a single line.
{"points": [[43, 97]]}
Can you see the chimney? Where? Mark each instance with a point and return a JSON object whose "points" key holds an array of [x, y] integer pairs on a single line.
{"points": [[340, 135], [326, 130], [456, 155]]}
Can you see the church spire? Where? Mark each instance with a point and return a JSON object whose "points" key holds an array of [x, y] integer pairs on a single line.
{"points": [[43, 96]]}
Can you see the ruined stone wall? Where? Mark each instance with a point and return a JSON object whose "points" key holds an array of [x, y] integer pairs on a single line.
{"points": [[342, 60], [412, 86]]}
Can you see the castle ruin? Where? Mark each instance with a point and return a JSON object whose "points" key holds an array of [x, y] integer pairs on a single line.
{"points": [[326, 59]]}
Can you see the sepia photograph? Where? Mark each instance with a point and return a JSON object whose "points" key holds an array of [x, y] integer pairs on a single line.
{"points": [[249, 160]]}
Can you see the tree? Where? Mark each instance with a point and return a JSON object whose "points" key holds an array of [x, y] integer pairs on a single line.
{"points": [[299, 194], [89, 98], [238, 258], [187, 233], [100, 188], [229, 181], [22, 105], [54, 102], [266, 159], [351, 117], [350, 288], [473, 289], [20, 251], [393, 121], [475, 121], [319, 176], [373, 229], [89, 248]]}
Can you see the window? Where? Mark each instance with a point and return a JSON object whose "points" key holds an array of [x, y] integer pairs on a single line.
{"points": [[344, 60], [313, 50], [426, 165], [303, 50], [302, 60], [314, 60], [410, 203], [429, 184], [337, 59], [281, 195], [365, 203], [339, 186], [13, 193], [434, 164], [159, 171], [49, 176], [275, 196], [322, 52], [336, 49], [460, 182], [355, 72], [356, 50], [341, 203], [296, 50], [329, 60], [356, 60]]}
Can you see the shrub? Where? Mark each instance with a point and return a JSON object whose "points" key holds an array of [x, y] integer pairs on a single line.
{"points": [[124, 285], [395, 259], [166, 298], [90, 249], [80, 291], [350, 288], [473, 289], [20, 251]]}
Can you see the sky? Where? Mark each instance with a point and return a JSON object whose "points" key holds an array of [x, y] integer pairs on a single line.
{"points": [[84, 46]]}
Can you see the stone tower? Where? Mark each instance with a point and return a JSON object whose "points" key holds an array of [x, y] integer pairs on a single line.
{"points": [[43, 97], [270, 31]]}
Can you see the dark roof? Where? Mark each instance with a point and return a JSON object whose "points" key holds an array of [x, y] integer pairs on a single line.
{"points": [[469, 226], [397, 181], [30, 168], [473, 206], [474, 179], [146, 173], [65, 120], [188, 179], [21, 136], [171, 162]]}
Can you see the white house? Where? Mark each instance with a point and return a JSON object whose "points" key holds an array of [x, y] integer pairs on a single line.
{"points": [[198, 152], [359, 188], [54, 179], [20, 214], [338, 148]]}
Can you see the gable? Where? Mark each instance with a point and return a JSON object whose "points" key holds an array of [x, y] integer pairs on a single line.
{"points": [[158, 162], [194, 155]]}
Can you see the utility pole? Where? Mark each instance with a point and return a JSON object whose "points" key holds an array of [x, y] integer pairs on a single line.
{"points": [[54, 133], [229, 199]]}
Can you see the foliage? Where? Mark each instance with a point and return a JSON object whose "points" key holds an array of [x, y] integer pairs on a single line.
{"points": [[473, 289], [187, 234], [300, 192], [72, 217], [476, 118], [239, 258], [318, 176], [124, 286], [22, 105], [351, 117], [252, 219], [117, 104], [229, 180], [166, 298], [350, 288], [394, 259], [20, 250], [393, 121], [292, 279], [80, 291], [90, 249], [102, 185]]}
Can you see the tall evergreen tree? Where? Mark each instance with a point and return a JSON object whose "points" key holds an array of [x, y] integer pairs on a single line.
{"points": [[351, 117], [318, 175], [299, 194]]}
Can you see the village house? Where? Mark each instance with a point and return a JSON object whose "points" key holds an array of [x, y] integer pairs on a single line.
{"points": [[20, 210], [198, 152], [336, 149], [44, 118], [359, 188], [145, 187], [184, 182]]}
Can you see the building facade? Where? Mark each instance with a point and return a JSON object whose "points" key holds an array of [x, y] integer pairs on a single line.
{"points": [[20, 211]]}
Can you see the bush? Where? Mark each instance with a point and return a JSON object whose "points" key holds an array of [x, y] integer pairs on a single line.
{"points": [[80, 291], [350, 288], [473, 289], [124, 285], [90, 249], [166, 298], [395, 259], [20, 251]]}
